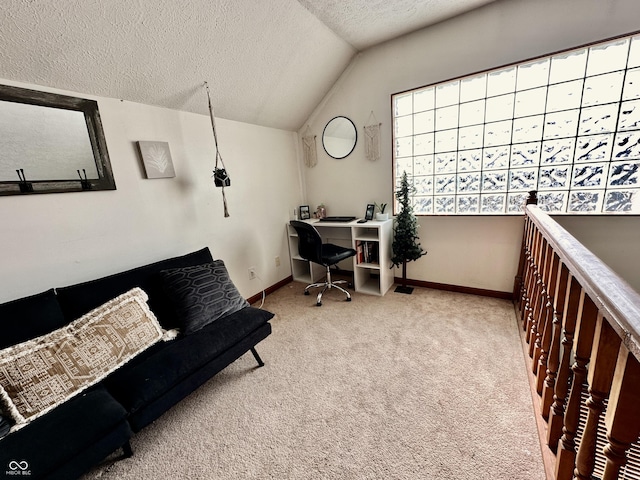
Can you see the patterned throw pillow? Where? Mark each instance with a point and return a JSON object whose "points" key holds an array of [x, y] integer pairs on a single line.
{"points": [[202, 294], [38, 375]]}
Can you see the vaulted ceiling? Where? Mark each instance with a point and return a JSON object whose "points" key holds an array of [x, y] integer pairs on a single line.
{"points": [[267, 62]]}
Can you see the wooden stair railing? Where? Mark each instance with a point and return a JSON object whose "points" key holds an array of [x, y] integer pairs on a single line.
{"points": [[581, 330]]}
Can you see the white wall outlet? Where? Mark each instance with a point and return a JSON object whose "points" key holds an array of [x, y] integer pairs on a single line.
{"points": [[252, 273], [277, 260]]}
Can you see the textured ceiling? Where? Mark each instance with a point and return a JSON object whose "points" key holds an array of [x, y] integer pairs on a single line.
{"points": [[268, 62], [364, 23]]}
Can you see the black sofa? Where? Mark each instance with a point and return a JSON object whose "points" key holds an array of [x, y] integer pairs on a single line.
{"points": [[70, 439]]}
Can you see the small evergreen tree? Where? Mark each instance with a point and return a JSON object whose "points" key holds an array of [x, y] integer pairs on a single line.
{"points": [[405, 246]]}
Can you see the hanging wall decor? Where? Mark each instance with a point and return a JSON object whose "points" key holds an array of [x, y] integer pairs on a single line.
{"points": [[309, 148], [156, 158], [220, 176], [372, 139]]}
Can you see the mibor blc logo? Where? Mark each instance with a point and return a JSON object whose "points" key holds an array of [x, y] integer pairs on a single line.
{"points": [[18, 468]]}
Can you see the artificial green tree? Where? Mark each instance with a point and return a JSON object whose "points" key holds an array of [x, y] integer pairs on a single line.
{"points": [[405, 246]]}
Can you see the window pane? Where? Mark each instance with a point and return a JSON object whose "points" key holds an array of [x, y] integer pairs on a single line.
{"points": [[424, 99], [472, 113], [621, 201], [608, 58], [448, 94], [632, 85], [629, 116], [561, 124], [498, 133], [499, 108], [554, 177], [531, 102], [403, 105], [446, 141], [473, 88], [470, 160], [470, 137], [535, 74], [624, 174], [447, 117], [424, 122], [557, 151], [501, 81], [494, 158], [403, 126], [568, 66], [564, 96], [585, 201], [602, 89], [468, 204], [634, 53], [525, 154], [593, 148], [527, 129], [598, 119]]}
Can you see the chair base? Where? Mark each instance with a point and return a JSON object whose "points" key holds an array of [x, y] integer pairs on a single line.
{"points": [[328, 284]]}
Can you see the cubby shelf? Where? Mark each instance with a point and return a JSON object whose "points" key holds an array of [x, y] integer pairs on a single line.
{"points": [[368, 277]]}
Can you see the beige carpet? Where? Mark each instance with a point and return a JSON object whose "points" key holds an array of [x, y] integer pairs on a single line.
{"points": [[424, 386]]}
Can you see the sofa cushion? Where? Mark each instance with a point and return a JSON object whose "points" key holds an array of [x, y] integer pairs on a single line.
{"points": [[76, 300], [164, 365], [30, 317], [201, 294], [59, 437], [38, 375]]}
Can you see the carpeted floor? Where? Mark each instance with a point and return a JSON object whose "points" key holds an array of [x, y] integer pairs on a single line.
{"points": [[424, 386]]}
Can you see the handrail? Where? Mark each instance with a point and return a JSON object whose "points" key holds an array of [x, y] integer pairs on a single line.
{"points": [[581, 329], [619, 302]]}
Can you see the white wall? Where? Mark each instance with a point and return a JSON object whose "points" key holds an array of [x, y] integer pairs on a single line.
{"points": [[614, 240], [479, 252], [59, 239]]}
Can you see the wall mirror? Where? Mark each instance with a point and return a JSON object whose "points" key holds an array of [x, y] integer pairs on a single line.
{"points": [[339, 137], [51, 143]]}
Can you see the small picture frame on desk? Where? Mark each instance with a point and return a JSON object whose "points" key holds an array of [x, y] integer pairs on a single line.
{"points": [[369, 213], [305, 214]]}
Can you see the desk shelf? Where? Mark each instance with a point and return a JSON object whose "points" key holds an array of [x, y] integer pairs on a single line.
{"points": [[368, 276]]}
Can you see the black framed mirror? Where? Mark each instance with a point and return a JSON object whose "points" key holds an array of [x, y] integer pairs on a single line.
{"points": [[339, 137], [51, 143]]}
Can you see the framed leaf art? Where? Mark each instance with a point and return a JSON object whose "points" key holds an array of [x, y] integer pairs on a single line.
{"points": [[156, 158]]}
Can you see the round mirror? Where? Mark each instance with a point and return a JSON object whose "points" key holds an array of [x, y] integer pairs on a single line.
{"points": [[339, 137]]}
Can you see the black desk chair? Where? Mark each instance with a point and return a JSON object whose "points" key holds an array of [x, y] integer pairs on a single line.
{"points": [[311, 248]]}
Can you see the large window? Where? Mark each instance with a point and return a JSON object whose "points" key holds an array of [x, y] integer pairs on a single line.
{"points": [[566, 125]]}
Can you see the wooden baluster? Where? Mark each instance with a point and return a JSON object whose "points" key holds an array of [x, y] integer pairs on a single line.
{"points": [[572, 305], [622, 418], [526, 284], [535, 298], [531, 286], [542, 306], [585, 328], [518, 290], [553, 264], [604, 356], [554, 339]]}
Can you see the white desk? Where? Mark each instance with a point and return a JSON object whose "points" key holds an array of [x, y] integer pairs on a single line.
{"points": [[371, 273]]}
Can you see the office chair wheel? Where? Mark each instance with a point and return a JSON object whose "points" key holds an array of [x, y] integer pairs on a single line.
{"points": [[306, 292], [349, 299], [319, 304]]}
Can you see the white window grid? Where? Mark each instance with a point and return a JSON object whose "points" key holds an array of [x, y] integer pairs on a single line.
{"points": [[566, 125]]}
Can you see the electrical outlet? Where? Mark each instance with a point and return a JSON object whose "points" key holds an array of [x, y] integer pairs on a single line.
{"points": [[252, 273], [277, 260]]}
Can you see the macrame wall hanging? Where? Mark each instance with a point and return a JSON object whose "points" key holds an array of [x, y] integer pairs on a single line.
{"points": [[372, 139], [309, 148], [220, 175]]}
